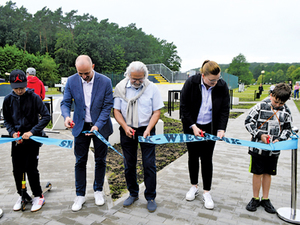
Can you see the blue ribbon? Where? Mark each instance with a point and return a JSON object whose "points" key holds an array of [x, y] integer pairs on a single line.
{"points": [[103, 140], [43, 140], [181, 138]]}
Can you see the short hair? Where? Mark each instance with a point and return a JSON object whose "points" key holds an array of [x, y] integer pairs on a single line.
{"points": [[282, 92], [136, 66], [83, 59], [210, 67]]}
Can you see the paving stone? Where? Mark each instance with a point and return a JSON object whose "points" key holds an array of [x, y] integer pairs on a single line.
{"points": [[231, 189]]}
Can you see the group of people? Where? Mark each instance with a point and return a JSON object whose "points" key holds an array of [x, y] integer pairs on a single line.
{"points": [[136, 104]]}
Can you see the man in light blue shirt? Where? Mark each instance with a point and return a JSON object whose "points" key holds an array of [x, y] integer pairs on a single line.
{"points": [[137, 104]]}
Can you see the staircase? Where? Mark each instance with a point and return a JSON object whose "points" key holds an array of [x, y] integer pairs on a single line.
{"points": [[157, 78]]}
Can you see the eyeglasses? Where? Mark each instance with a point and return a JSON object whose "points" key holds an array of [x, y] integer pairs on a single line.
{"points": [[215, 80], [140, 80]]}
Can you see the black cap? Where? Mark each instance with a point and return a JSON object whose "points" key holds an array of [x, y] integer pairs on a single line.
{"points": [[17, 79]]}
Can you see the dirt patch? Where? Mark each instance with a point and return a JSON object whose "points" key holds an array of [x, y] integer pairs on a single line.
{"points": [[165, 154]]}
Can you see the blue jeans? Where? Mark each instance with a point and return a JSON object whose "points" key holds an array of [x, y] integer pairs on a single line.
{"points": [[296, 93], [129, 147], [81, 150]]}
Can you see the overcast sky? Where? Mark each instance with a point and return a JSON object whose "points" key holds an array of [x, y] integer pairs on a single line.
{"points": [[262, 30]]}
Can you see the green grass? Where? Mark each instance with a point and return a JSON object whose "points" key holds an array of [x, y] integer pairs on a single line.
{"points": [[244, 106], [248, 94], [297, 104], [52, 91]]}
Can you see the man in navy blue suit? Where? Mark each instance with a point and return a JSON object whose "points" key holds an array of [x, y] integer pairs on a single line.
{"points": [[93, 98]]}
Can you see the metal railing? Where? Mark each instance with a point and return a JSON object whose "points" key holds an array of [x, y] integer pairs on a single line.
{"points": [[161, 69]]}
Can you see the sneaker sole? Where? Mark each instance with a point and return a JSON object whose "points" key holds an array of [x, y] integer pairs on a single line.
{"points": [[151, 210], [271, 212], [193, 198], [38, 209], [251, 210], [78, 209], [100, 204], [210, 208], [131, 203], [207, 207]]}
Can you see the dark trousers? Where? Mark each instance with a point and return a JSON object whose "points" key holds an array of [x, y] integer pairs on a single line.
{"points": [[203, 150], [129, 147], [25, 159], [81, 150]]}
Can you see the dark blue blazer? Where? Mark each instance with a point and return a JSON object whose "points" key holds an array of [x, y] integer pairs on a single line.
{"points": [[101, 103]]}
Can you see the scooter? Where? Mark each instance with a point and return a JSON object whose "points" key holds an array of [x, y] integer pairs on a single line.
{"points": [[25, 197]]}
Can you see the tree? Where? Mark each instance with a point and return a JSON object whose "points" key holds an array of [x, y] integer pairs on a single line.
{"points": [[11, 58], [93, 40], [65, 37], [147, 48], [48, 70], [65, 53], [257, 70], [289, 72], [280, 76], [46, 28], [296, 74], [240, 68], [170, 57]]}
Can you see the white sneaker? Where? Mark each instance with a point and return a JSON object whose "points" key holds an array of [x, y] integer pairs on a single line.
{"points": [[18, 204], [37, 203], [78, 202], [208, 202], [99, 200], [192, 193]]}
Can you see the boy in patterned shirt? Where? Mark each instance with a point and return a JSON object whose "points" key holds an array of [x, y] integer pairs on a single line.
{"points": [[268, 121]]}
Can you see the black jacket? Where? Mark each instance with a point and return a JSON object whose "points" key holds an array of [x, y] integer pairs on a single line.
{"points": [[21, 113], [190, 103]]}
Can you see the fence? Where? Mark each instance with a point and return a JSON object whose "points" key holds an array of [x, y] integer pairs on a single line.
{"points": [[179, 76], [161, 69], [231, 80], [115, 78], [172, 77]]}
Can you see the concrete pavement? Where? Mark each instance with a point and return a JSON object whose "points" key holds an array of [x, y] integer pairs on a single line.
{"points": [[231, 189]]}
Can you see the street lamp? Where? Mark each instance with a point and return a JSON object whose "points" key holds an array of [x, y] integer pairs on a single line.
{"points": [[262, 76]]}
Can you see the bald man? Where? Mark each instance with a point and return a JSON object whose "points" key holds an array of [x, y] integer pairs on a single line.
{"points": [[93, 98]]}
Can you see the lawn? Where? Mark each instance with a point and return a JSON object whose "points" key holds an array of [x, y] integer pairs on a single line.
{"points": [[297, 104], [248, 94], [52, 91]]}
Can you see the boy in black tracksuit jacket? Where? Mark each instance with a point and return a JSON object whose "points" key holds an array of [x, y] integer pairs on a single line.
{"points": [[25, 112]]}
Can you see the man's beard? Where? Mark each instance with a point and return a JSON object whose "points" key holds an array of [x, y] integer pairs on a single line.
{"points": [[136, 86]]}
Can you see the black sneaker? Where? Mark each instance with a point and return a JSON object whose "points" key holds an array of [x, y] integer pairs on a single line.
{"points": [[266, 203], [252, 205]]}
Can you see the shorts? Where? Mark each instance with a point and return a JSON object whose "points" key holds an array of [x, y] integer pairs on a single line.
{"points": [[263, 165]]}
